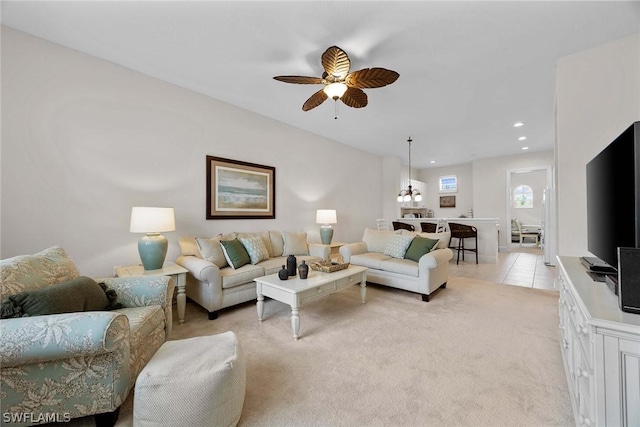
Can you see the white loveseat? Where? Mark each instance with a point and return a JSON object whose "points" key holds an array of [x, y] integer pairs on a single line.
{"points": [[214, 284], [381, 251]]}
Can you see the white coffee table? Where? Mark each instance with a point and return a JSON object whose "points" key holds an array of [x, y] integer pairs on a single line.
{"points": [[297, 291]]}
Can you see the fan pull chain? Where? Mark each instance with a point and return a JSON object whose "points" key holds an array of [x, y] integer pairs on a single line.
{"points": [[336, 108]]}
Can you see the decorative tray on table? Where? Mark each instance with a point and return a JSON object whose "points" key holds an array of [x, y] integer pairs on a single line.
{"points": [[329, 266]]}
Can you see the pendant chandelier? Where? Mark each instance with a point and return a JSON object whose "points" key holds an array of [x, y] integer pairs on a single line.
{"points": [[408, 194]]}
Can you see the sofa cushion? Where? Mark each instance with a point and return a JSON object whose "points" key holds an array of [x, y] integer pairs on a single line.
{"points": [[235, 253], [255, 248], [228, 236], [146, 334], [370, 260], [266, 239], [273, 265], [245, 274], [81, 294], [442, 237], [27, 272], [189, 246], [143, 320], [295, 243], [277, 243], [211, 250], [377, 240], [397, 245], [401, 266], [420, 246]]}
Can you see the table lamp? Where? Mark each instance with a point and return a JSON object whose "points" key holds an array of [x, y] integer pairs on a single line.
{"points": [[153, 246], [326, 217]]}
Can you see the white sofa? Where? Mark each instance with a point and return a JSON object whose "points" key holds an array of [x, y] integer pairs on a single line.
{"points": [[214, 284], [423, 276]]}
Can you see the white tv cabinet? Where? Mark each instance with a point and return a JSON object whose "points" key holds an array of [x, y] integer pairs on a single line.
{"points": [[600, 347]]}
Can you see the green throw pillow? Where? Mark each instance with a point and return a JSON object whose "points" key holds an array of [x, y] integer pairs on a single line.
{"points": [[235, 253], [418, 247], [81, 294]]}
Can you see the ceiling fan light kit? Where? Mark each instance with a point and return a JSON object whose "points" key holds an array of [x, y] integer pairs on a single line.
{"points": [[341, 84], [335, 90]]}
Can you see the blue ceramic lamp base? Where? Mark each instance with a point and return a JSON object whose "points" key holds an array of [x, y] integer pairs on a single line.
{"points": [[326, 234], [153, 250]]}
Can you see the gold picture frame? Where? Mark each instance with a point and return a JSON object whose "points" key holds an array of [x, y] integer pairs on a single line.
{"points": [[447, 201], [240, 190]]}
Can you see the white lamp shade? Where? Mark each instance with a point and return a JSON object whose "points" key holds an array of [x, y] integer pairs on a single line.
{"points": [[152, 220], [326, 216]]}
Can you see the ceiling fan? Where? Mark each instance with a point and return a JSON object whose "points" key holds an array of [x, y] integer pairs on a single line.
{"points": [[339, 83]]}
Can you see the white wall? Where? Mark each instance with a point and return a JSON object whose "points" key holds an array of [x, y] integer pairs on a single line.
{"points": [[464, 195], [537, 180], [482, 187], [391, 185], [84, 140], [597, 97], [489, 182]]}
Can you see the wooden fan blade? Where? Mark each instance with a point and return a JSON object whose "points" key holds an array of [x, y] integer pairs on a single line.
{"points": [[314, 100], [355, 98], [336, 62], [302, 80], [371, 78]]}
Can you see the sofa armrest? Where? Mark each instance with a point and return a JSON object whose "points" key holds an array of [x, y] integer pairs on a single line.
{"points": [[142, 291], [319, 250], [201, 269], [346, 251], [37, 339], [435, 258]]}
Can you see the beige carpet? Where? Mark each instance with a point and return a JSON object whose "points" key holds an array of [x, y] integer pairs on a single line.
{"points": [[478, 354]]}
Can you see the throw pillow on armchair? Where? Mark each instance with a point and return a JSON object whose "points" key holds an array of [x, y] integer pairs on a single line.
{"points": [[75, 295]]}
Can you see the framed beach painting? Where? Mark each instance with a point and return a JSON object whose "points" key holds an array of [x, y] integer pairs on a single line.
{"points": [[240, 190]]}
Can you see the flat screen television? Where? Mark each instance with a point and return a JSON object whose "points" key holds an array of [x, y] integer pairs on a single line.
{"points": [[613, 197]]}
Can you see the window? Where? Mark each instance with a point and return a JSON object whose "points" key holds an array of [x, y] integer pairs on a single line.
{"points": [[448, 184], [522, 197]]}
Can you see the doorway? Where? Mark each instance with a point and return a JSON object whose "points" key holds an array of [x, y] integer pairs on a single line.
{"points": [[525, 188]]}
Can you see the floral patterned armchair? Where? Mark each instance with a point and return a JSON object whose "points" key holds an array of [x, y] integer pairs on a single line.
{"points": [[62, 366]]}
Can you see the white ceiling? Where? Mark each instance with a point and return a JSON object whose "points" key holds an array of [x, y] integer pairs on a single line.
{"points": [[468, 70]]}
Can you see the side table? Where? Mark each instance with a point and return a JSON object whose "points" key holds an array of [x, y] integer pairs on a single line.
{"points": [[172, 269], [335, 249]]}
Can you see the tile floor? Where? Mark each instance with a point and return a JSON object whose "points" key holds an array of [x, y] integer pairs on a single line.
{"points": [[523, 266]]}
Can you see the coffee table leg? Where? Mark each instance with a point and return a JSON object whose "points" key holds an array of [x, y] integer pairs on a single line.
{"points": [[295, 322], [363, 291], [260, 307]]}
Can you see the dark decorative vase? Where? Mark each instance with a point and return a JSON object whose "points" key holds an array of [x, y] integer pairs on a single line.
{"points": [[283, 274], [291, 265], [303, 269]]}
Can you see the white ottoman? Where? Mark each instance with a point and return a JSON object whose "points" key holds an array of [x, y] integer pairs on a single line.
{"points": [[192, 382]]}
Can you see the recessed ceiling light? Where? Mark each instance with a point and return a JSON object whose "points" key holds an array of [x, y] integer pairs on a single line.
{"points": [[518, 124], [525, 148], [432, 161], [522, 138]]}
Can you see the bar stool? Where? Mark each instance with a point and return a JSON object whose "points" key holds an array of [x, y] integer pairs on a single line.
{"points": [[428, 227], [402, 226], [461, 232], [382, 224]]}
